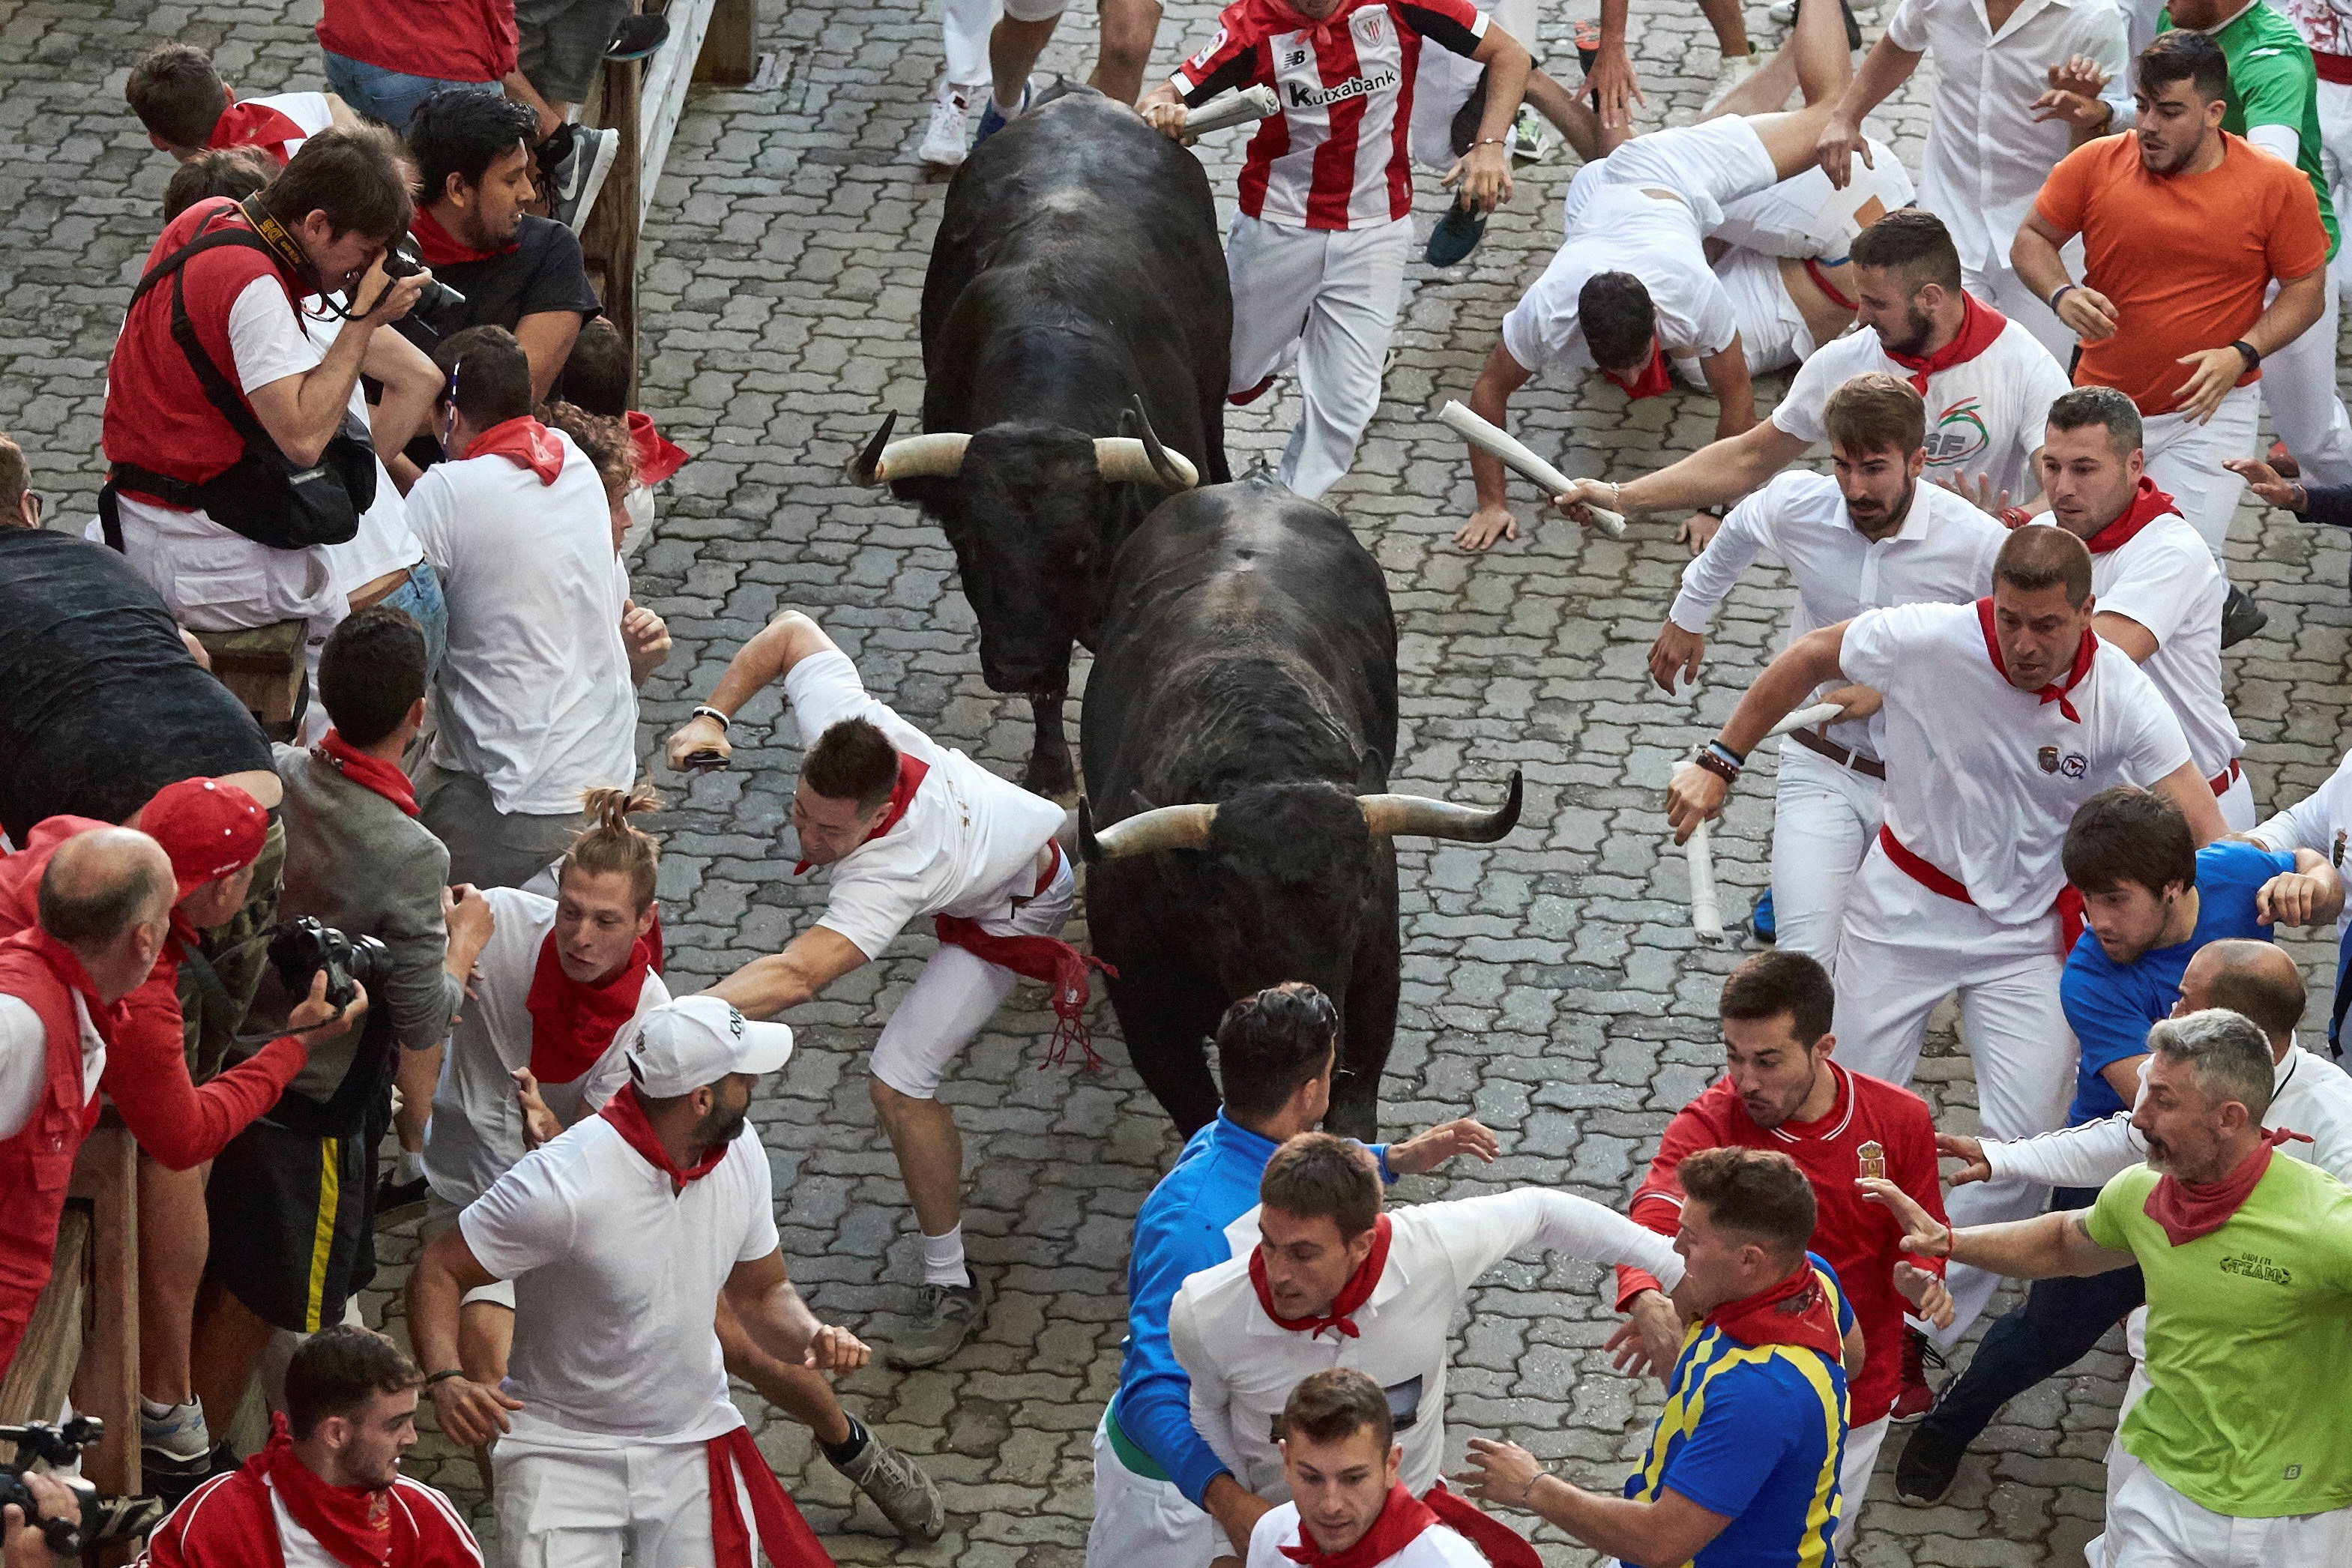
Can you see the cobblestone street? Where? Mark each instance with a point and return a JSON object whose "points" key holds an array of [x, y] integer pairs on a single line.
{"points": [[1552, 985]]}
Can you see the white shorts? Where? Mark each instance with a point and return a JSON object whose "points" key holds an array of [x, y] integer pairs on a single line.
{"points": [[1709, 165], [956, 994], [1143, 1523], [1772, 331], [575, 1508], [1804, 215], [2151, 1525]]}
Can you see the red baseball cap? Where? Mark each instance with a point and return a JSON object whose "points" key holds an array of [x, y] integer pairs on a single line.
{"points": [[208, 828]]}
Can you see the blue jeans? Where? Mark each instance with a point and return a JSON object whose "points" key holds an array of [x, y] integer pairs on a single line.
{"points": [[386, 95], [421, 598]]}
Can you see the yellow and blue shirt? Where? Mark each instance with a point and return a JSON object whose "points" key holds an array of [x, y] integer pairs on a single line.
{"points": [[1755, 1432]]}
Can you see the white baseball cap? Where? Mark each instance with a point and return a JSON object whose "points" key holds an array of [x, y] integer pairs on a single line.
{"points": [[692, 1041]]}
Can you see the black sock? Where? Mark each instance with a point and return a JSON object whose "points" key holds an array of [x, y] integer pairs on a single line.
{"points": [[849, 1447]]}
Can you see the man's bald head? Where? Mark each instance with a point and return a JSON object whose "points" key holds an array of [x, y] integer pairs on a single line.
{"points": [[101, 884], [2256, 979]]}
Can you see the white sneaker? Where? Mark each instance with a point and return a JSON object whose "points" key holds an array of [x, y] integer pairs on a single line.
{"points": [[944, 144], [1735, 69], [1782, 12]]}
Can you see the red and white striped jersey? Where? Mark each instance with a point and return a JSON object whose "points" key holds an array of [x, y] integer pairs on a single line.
{"points": [[1333, 155]]}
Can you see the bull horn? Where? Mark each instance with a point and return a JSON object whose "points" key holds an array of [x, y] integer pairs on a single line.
{"points": [[937, 456], [862, 469], [1151, 438], [1146, 833], [1414, 816], [1135, 455]]}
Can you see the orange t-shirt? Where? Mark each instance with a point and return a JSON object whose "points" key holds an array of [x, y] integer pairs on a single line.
{"points": [[2185, 258]]}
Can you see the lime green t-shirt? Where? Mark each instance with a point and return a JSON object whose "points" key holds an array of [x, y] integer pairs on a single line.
{"points": [[2249, 1344], [2273, 82]]}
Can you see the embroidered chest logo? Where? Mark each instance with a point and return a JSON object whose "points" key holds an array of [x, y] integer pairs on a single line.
{"points": [[1958, 434], [2253, 1266], [1871, 1159], [1370, 24], [2069, 764]]}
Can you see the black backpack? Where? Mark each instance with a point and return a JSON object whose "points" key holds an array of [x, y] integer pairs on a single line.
{"points": [[263, 495]]}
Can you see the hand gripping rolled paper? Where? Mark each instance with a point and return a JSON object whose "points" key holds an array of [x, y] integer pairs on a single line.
{"points": [[1504, 446], [1706, 910], [1246, 107], [1805, 719]]}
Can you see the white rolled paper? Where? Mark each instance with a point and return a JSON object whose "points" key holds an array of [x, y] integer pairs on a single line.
{"points": [[1805, 719], [1515, 455], [1247, 107], [1706, 909]]}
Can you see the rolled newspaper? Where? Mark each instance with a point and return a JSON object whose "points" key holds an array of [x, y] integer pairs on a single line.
{"points": [[1805, 719], [1504, 445], [1706, 910], [1247, 107]]}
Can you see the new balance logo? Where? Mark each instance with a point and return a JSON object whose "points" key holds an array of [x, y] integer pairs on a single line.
{"points": [[1304, 96]]}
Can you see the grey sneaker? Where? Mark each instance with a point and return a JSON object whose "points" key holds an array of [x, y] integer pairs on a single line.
{"points": [[949, 1314], [576, 171], [899, 1489]]}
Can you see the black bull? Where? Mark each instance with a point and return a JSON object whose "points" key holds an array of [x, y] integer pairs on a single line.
{"points": [[1075, 317], [1239, 725]]}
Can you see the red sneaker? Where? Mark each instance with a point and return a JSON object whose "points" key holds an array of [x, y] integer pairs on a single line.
{"points": [[1913, 1397], [1248, 395], [2281, 461]]}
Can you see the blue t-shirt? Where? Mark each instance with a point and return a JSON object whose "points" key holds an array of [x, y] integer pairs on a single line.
{"points": [[1755, 1434], [2111, 1005]]}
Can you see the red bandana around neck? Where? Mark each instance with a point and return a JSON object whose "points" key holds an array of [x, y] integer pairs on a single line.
{"points": [[1796, 1311], [2147, 504], [2059, 692], [1980, 325], [654, 456], [524, 442], [354, 1523], [1498, 1544], [2188, 1210], [627, 1115], [902, 795], [572, 1025], [258, 126], [1402, 1519], [1650, 381], [1358, 1290], [369, 772], [437, 247]]}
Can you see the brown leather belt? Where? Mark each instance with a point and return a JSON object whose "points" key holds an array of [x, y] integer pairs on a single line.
{"points": [[1811, 741], [376, 592]]}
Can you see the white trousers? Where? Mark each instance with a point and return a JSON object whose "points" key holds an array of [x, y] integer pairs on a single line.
{"points": [[569, 1508], [2298, 386], [1901, 950], [1326, 298], [956, 994], [1143, 1523], [964, 26], [1862, 1445], [1998, 285], [2150, 1525], [2238, 813], [1823, 820], [2185, 460]]}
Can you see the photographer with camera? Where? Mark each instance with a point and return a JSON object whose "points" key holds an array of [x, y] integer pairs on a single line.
{"points": [[366, 898], [23, 1543], [233, 455]]}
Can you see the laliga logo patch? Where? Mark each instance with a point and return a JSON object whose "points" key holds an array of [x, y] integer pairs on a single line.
{"points": [[1205, 56]]}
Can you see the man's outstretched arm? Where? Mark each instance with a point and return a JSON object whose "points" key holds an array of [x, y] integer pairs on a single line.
{"points": [[767, 659]]}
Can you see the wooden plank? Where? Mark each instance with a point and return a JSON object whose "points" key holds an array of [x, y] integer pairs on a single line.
{"points": [[609, 238], [106, 1382], [42, 1372], [667, 76], [730, 54]]}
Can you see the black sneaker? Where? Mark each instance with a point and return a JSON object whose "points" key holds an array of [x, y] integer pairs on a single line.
{"points": [[2241, 617], [1456, 236], [637, 37], [1931, 1463], [397, 1201]]}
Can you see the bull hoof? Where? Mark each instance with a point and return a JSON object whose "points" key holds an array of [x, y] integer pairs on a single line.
{"points": [[1050, 775]]}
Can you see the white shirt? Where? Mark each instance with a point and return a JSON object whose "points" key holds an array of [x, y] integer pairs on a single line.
{"points": [[214, 579], [2313, 1096], [1985, 416], [475, 1133], [1244, 1365], [616, 1285], [2165, 578], [1982, 779], [1943, 554], [1986, 157], [1435, 1547], [1624, 229], [967, 845], [311, 111], [386, 542], [24, 1060], [2321, 821], [534, 695]]}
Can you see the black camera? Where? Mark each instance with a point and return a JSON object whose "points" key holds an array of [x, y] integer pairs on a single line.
{"points": [[40, 1441], [302, 949], [401, 260]]}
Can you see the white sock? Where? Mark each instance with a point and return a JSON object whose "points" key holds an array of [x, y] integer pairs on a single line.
{"points": [[1007, 111], [408, 1167], [943, 1260]]}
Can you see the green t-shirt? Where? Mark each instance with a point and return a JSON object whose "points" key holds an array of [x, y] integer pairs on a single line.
{"points": [[2249, 1344], [2273, 82]]}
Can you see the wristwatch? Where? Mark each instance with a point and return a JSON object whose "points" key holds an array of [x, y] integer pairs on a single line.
{"points": [[2252, 355]]}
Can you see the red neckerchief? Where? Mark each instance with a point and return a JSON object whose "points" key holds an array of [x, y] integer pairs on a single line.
{"points": [[354, 1523], [524, 442], [572, 1025], [627, 1115], [256, 125], [1650, 381], [2084, 652], [1498, 1543], [902, 795], [1796, 1311], [1980, 324], [654, 456], [437, 247], [2147, 504], [1352, 1295], [369, 772], [2188, 1210], [1402, 1519]]}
